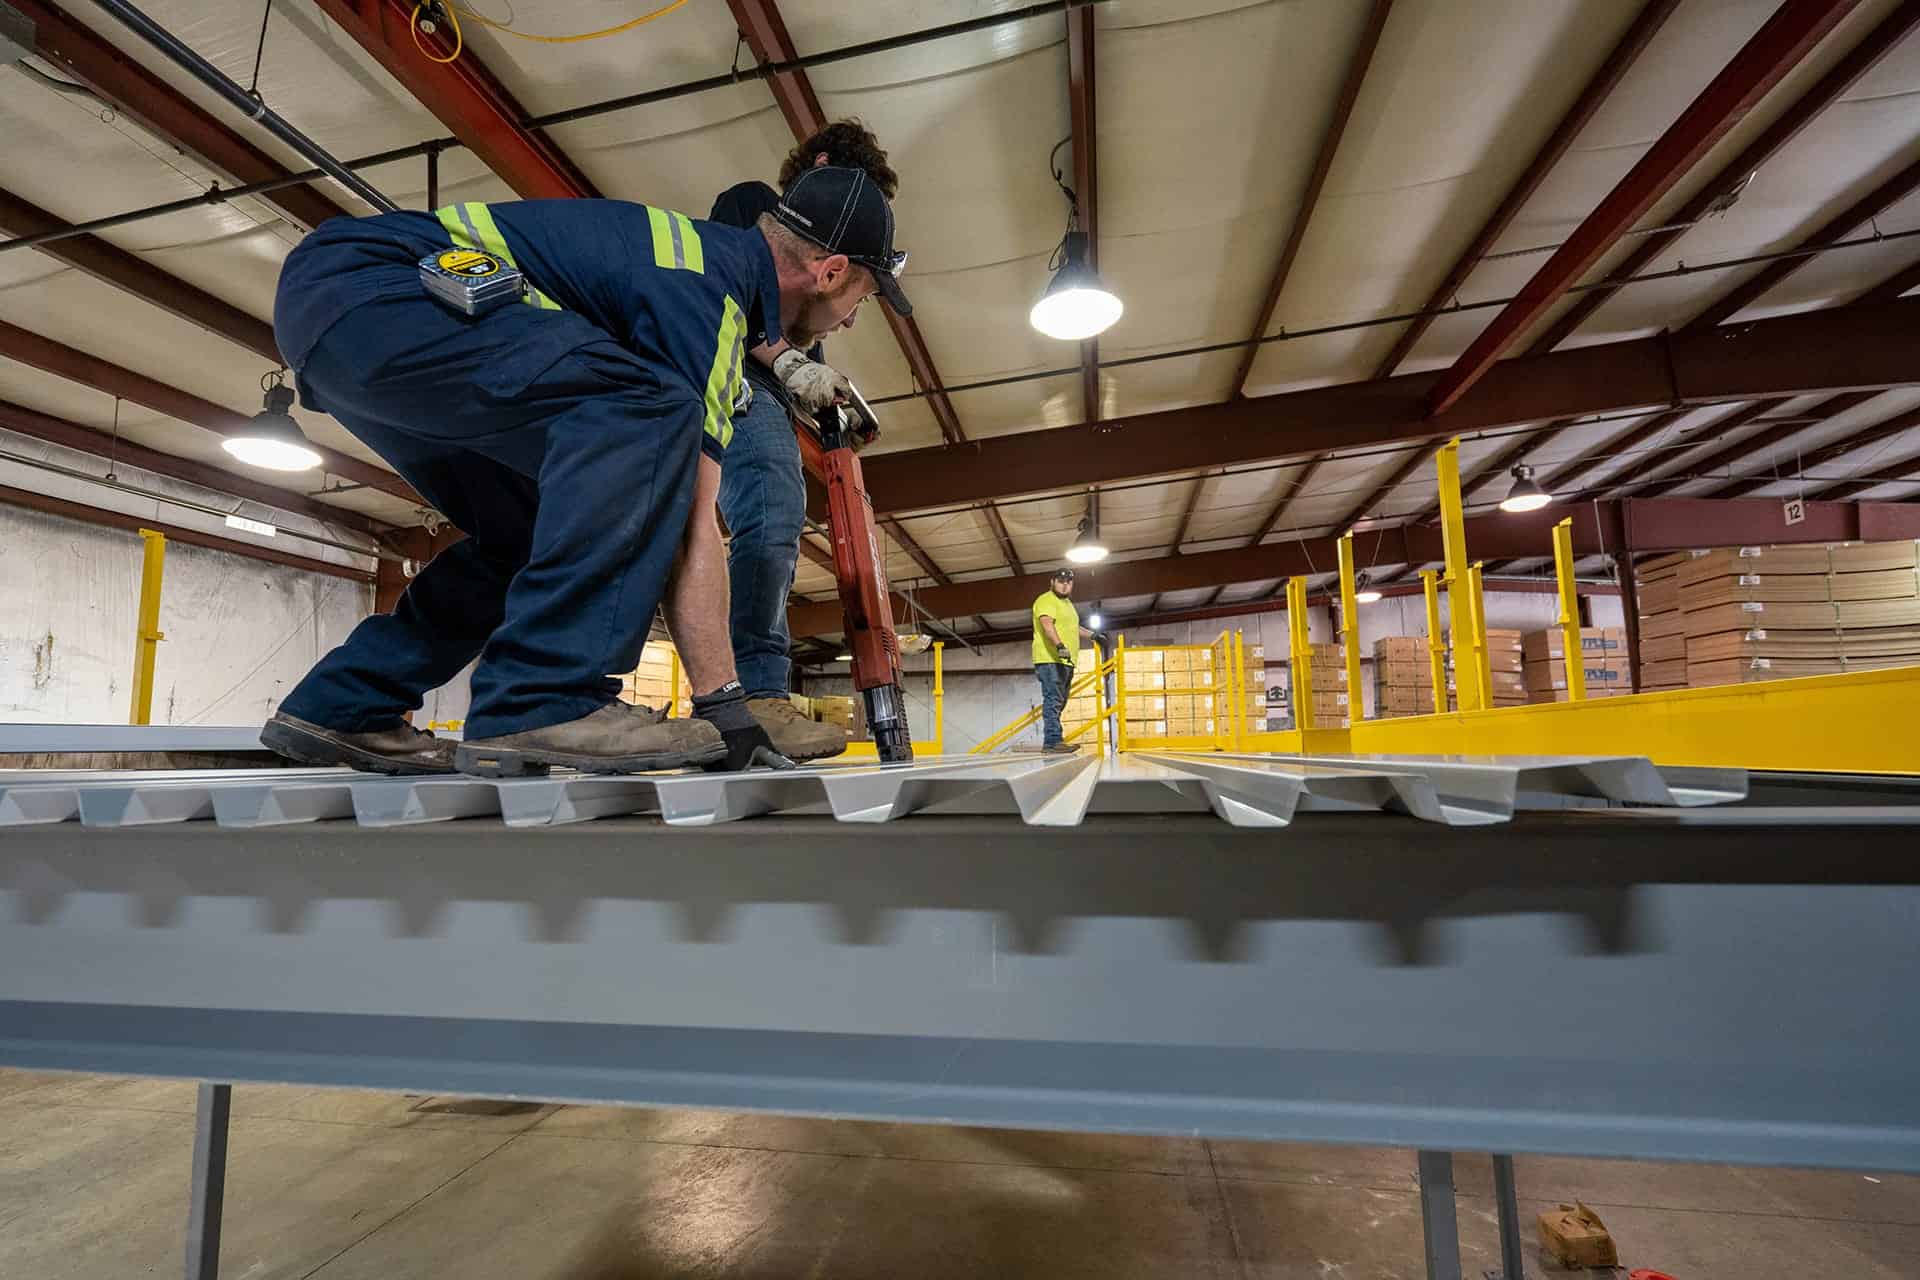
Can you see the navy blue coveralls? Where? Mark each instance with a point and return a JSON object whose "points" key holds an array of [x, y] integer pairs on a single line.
{"points": [[562, 435]]}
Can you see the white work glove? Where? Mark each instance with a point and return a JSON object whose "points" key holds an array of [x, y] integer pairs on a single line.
{"points": [[811, 384]]}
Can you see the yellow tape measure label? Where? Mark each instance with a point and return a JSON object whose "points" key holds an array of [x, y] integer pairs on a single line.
{"points": [[468, 262]]}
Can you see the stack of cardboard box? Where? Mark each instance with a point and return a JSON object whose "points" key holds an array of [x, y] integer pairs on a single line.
{"points": [[1085, 705], [1602, 658], [1255, 680], [1663, 627], [1402, 677], [1146, 705], [1332, 700], [1189, 715], [1765, 613]]}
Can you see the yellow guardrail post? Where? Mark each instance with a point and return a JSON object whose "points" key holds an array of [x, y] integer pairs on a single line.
{"points": [[1473, 694], [939, 700], [1477, 617], [673, 682], [1350, 627], [1436, 647], [1237, 679], [1299, 654], [1120, 694], [147, 636], [1569, 619]]}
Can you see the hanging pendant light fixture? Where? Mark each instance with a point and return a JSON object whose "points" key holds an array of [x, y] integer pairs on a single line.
{"points": [[1526, 494], [1076, 304], [273, 441]]}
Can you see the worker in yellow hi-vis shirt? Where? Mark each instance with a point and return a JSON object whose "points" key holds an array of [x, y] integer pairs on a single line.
{"points": [[1056, 639]]}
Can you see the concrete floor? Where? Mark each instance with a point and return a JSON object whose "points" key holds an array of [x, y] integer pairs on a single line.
{"points": [[362, 1186]]}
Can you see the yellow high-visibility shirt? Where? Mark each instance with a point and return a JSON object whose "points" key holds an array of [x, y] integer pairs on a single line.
{"points": [[1066, 622]]}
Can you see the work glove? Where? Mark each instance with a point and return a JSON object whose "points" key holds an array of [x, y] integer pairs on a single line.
{"points": [[1065, 654], [747, 742], [811, 384]]}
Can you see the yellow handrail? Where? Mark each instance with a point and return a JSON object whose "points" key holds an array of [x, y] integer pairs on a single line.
{"points": [[1015, 726]]}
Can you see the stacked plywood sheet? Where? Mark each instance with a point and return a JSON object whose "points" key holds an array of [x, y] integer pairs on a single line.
{"points": [[1663, 625], [1766, 613], [1402, 677], [1602, 657], [1506, 664]]}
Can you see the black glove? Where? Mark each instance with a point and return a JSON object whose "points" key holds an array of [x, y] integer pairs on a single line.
{"points": [[1066, 656], [747, 742]]}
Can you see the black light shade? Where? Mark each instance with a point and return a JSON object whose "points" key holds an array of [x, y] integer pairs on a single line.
{"points": [[273, 440], [1525, 495]]}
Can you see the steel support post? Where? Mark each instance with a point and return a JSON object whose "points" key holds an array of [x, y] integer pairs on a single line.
{"points": [[209, 1181], [1350, 627], [1512, 1266], [1453, 541], [1436, 646], [147, 636], [1438, 1224], [1477, 635], [1569, 619], [1299, 655]]}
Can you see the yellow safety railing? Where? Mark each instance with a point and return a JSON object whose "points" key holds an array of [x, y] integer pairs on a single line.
{"points": [[147, 638], [1093, 679], [934, 746]]}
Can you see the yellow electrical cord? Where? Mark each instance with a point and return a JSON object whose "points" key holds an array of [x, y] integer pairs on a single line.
{"points": [[602, 34], [459, 41]]}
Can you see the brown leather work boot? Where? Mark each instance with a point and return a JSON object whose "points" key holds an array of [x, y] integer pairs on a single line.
{"points": [[402, 749], [794, 736], [617, 738]]}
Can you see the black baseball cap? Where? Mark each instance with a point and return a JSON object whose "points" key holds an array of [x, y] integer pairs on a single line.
{"points": [[1063, 573], [842, 211]]}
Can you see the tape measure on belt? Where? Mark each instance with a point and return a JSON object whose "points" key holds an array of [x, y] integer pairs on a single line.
{"points": [[471, 281]]}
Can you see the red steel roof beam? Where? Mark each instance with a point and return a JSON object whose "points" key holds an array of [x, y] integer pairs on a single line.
{"points": [[1858, 61], [464, 96], [1316, 181], [766, 35], [1892, 473], [1787, 37], [142, 96], [1652, 16], [1861, 439], [134, 275], [71, 435], [111, 379], [1738, 450], [1840, 349]]}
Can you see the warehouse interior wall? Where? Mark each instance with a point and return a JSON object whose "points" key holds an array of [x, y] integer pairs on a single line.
{"points": [[239, 632]]}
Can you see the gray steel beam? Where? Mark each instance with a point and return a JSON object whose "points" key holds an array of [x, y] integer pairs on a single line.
{"points": [[1361, 977]]}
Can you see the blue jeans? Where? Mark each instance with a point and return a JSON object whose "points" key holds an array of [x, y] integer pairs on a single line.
{"points": [[573, 482], [763, 496], [1055, 679]]}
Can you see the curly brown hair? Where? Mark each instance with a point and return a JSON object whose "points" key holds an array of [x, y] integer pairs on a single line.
{"points": [[848, 144]]}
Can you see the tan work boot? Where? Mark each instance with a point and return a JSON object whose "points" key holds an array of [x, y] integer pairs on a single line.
{"points": [[617, 738], [402, 749], [794, 736]]}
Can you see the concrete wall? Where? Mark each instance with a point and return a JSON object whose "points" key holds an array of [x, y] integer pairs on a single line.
{"points": [[987, 689], [239, 632]]}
